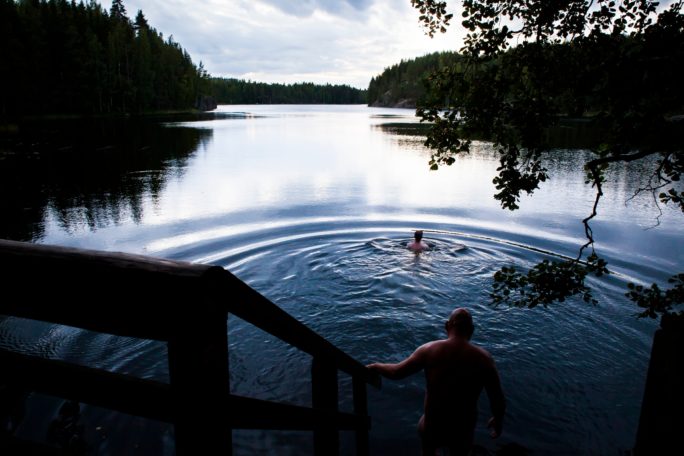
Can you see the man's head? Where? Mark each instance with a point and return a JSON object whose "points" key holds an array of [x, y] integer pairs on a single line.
{"points": [[461, 322], [418, 235]]}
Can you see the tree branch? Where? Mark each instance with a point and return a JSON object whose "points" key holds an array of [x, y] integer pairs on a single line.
{"points": [[656, 181], [620, 158], [594, 167], [596, 176]]}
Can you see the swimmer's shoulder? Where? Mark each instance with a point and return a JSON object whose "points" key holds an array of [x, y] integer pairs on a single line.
{"points": [[417, 247]]}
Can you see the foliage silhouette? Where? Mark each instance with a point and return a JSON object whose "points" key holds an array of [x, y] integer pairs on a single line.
{"points": [[618, 63]]}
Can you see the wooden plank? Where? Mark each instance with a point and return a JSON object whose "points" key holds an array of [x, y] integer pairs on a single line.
{"points": [[198, 371], [97, 387], [254, 308], [152, 399], [99, 291], [36, 254], [361, 408], [325, 397]]}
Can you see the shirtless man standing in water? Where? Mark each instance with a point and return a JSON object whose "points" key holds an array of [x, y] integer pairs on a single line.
{"points": [[418, 245], [455, 373]]}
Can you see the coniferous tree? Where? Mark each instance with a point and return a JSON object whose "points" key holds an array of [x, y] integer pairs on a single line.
{"points": [[404, 83], [118, 10], [80, 58], [237, 91]]}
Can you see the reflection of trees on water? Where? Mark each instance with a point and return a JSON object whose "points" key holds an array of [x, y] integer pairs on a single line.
{"points": [[570, 142], [87, 174], [567, 134]]}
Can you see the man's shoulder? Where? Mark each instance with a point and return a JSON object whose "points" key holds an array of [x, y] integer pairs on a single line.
{"points": [[482, 353], [414, 246], [431, 347], [479, 349]]}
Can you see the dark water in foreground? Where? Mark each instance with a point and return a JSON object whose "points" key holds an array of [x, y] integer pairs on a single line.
{"points": [[312, 206]]}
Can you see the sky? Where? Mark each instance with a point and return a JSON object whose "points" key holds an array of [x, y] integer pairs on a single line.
{"points": [[287, 41]]}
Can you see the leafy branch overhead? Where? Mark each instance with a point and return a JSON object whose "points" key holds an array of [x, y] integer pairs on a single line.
{"points": [[655, 301], [526, 67], [545, 283], [433, 15]]}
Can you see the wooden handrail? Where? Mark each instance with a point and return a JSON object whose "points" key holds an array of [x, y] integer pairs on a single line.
{"points": [[254, 308], [123, 393], [154, 400], [99, 291], [157, 282], [102, 292], [41, 253]]}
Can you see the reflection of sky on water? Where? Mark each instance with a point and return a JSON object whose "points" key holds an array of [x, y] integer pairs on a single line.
{"points": [[306, 161], [334, 157]]}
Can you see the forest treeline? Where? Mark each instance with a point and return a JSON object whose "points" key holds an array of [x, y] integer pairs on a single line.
{"points": [[407, 84], [68, 57], [402, 85], [238, 91], [63, 57]]}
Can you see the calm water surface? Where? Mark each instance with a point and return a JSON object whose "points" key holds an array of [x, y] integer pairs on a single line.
{"points": [[313, 206]]}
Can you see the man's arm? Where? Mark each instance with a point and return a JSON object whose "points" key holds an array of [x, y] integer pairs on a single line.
{"points": [[497, 401], [409, 366]]}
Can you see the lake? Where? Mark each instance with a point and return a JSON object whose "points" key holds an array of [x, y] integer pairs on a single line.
{"points": [[313, 207]]}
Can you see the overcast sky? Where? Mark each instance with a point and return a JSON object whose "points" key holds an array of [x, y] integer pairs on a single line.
{"points": [[335, 41]]}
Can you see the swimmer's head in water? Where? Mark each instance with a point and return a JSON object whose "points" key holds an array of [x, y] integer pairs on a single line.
{"points": [[461, 321], [418, 235]]}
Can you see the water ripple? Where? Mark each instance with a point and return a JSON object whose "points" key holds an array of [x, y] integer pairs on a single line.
{"points": [[354, 281]]}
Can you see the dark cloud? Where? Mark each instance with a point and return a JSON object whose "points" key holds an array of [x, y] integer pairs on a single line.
{"points": [[304, 8]]}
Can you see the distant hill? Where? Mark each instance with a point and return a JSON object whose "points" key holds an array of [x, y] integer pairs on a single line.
{"points": [[238, 91], [401, 85]]}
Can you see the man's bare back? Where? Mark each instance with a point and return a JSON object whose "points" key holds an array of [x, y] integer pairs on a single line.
{"points": [[456, 371], [417, 245]]}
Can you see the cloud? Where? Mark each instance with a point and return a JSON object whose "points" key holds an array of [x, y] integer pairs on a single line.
{"points": [[305, 8], [336, 41]]}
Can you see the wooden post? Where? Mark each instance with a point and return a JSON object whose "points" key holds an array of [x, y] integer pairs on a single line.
{"points": [[663, 403], [198, 370], [324, 397], [360, 408]]}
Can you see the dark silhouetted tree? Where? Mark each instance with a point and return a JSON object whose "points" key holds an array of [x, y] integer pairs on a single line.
{"points": [[67, 57], [237, 91], [405, 82]]}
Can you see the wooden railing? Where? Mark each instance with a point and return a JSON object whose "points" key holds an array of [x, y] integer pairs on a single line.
{"points": [[185, 305]]}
